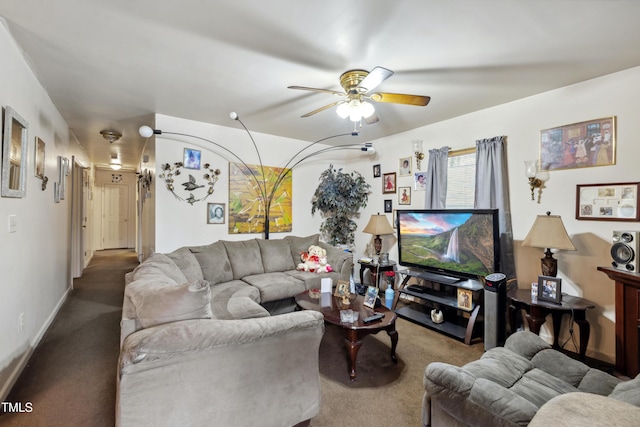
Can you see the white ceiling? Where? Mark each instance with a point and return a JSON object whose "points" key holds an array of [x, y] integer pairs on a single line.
{"points": [[111, 64]]}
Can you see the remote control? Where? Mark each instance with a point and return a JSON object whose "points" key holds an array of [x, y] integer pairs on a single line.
{"points": [[373, 318]]}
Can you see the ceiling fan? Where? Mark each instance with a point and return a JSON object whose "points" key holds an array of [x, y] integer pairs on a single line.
{"points": [[357, 85]]}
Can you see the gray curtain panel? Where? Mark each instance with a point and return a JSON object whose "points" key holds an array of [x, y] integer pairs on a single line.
{"points": [[492, 192], [436, 182]]}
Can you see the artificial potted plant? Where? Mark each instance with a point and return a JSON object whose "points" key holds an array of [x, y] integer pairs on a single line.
{"points": [[339, 197]]}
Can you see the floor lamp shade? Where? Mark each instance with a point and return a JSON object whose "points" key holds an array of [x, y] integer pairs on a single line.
{"points": [[378, 225], [548, 232]]}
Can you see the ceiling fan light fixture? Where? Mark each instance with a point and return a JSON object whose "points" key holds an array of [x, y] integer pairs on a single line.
{"points": [[355, 110], [343, 110], [367, 109]]}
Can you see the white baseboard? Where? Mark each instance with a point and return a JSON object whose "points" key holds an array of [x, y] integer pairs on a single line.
{"points": [[6, 388]]}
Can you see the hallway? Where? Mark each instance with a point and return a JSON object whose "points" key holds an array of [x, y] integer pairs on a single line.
{"points": [[70, 380]]}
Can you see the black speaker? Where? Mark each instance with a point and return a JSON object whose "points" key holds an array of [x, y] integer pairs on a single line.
{"points": [[625, 250], [495, 310]]}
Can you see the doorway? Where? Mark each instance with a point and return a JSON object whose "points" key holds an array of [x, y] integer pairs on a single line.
{"points": [[115, 214]]}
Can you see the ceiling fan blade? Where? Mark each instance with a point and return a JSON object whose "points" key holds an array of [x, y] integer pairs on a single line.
{"points": [[313, 89], [398, 98], [322, 109], [374, 78]]}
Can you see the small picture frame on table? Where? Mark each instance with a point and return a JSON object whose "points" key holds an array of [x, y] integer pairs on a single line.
{"points": [[465, 299], [550, 289], [342, 289], [370, 297]]}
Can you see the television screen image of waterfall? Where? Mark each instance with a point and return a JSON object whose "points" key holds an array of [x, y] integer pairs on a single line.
{"points": [[460, 242]]}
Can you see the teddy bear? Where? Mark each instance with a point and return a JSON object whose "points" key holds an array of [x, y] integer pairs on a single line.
{"points": [[314, 260]]}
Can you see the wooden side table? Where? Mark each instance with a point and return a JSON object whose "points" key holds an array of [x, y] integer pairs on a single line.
{"points": [[520, 299], [375, 269]]}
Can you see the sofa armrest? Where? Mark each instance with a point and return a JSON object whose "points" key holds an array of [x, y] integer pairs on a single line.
{"points": [[339, 260], [167, 342], [194, 371]]}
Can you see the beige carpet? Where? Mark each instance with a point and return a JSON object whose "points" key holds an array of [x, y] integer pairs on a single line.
{"points": [[383, 393]]}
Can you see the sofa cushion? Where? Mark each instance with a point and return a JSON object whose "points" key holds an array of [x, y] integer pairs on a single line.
{"points": [[237, 308], [214, 262], [313, 280], [236, 300], [526, 343], [500, 366], [156, 305], [599, 382], [538, 387], [275, 286], [161, 268], [628, 391], [245, 257], [187, 263], [301, 244], [276, 255]]}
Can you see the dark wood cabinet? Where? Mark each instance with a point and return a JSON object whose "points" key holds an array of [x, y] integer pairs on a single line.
{"points": [[627, 319]]}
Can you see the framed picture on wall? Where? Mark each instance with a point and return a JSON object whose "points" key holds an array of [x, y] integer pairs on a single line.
{"points": [[39, 163], [215, 213], [404, 195], [608, 202], [388, 206], [579, 145], [389, 183], [404, 166], [376, 171], [191, 158]]}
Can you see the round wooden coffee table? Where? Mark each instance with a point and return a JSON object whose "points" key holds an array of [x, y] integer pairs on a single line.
{"points": [[330, 307]]}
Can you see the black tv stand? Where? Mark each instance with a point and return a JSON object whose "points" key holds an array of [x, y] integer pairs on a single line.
{"points": [[435, 277], [441, 292]]}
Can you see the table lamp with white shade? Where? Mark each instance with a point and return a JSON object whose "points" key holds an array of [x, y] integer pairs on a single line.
{"points": [[378, 225], [548, 232]]}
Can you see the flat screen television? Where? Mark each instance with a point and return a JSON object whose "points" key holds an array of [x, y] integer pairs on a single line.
{"points": [[461, 243]]}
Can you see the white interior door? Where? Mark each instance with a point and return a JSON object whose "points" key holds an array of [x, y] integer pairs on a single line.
{"points": [[115, 216]]}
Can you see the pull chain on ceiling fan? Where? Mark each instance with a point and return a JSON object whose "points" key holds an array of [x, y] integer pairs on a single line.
{"points": [[357, 85]]}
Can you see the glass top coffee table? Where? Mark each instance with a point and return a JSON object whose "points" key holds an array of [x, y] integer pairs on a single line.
{"points": [[330, 307]]}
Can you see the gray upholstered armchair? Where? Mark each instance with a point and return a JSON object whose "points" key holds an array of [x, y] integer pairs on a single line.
{"points": [[508, 385]]}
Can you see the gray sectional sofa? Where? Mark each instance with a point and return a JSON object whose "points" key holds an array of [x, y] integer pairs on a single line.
{"points": [[209, 336], [510, 385]]}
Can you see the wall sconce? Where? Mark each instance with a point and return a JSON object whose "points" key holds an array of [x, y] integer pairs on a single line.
{"points": [[536, 176], [417, 150]]}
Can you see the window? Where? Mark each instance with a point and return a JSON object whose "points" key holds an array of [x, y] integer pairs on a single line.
{"points": [[461, 179]]}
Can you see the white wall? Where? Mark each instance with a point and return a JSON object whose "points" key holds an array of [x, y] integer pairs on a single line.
{"points": [[521, 121], [34, 261], [179, 223]]}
